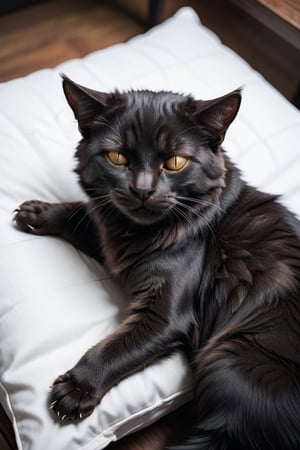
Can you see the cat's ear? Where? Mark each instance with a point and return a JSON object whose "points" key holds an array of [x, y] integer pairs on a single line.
{"points": [[216, 115], [88, 104]]}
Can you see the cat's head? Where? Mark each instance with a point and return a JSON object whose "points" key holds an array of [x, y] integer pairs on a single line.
{"points": [[151, 155]]}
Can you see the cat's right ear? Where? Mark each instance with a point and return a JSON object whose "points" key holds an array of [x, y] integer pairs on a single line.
{"points": [[87, 104], [216, 115]]}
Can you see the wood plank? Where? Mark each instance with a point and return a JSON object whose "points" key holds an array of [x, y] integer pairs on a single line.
{"points": [[270, 19], [288, 10], [52, 32]]}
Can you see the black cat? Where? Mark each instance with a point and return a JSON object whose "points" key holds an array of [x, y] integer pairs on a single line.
{"points": [[211, 265]]}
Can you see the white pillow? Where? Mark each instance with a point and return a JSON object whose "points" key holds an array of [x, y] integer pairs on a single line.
{"points": [[55, 301]]}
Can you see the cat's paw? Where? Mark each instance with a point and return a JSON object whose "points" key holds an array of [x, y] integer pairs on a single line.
{"points": [[35, 217], [71, 401]]}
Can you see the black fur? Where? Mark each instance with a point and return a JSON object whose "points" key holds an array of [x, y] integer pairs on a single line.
{"points": [[210, 264]]}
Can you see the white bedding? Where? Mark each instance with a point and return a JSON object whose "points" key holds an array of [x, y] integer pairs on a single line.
{"points": [[55, 302]]}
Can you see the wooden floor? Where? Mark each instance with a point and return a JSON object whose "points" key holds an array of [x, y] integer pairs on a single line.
{"points": [[53, 31]]}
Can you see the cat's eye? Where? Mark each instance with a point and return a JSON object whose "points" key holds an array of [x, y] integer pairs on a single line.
{"points": [[116, 158], [176, 163]]}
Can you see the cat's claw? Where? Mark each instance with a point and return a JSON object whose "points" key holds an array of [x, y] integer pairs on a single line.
{"points": [[52, 404], [69, 402], [34, 217]]}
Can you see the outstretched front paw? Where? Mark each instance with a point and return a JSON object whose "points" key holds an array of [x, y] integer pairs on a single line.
{"points": [[70, 400], [38, 217]]}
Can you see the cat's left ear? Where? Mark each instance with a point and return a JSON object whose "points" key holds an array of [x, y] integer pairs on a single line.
{"points": [[88, 104], [216, 115]]}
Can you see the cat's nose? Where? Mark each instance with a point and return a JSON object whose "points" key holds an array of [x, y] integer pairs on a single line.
{"points": [[141, 192], [142, 186]]}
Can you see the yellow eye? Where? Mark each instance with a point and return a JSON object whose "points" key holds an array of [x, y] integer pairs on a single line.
{"points": [[116, 158], [176, 163]]}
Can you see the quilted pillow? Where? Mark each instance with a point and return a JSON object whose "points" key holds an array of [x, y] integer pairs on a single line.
{"points": [[55, 301]]}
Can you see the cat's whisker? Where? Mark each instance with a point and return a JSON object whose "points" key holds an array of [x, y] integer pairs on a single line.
{"points": [[103, 198], [76, 210], [170, 215], [109, 211], [178, 214], [105, 202], [99, 204], [91, 210], [202, 202], [198, 214], [186, 218], [91, 190], [82, 220]]}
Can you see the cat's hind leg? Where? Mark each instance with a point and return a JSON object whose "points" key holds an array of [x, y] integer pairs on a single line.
{"points": [[70, 221], [246, 398]]}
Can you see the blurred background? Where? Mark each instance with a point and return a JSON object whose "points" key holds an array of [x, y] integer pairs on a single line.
{"points": [[36, 34]]}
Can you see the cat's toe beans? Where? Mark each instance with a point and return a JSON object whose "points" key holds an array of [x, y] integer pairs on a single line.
{"points": [[35, 207], [30, 217], [68, 402]]}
